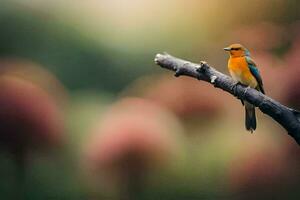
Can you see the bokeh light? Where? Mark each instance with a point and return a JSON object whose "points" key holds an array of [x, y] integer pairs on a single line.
{"points": [[81, 95]]}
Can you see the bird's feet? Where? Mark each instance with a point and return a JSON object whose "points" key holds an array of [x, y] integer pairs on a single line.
{"points": [[234, 88], [235, 92], [244, 93]]}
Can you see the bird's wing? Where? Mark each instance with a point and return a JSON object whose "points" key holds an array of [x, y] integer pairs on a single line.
{"points": [[255, 72]]}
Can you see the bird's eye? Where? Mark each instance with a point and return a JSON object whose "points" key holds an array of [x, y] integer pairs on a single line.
{"points": [[235, 49]]}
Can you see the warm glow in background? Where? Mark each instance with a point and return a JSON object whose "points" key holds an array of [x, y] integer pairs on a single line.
{"points": [[86, 114]]}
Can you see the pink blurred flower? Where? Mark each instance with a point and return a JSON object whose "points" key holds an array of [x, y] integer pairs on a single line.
{"points": [[29, 117], [133, 138]]}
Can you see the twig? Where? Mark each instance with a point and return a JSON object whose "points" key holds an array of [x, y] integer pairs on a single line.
{"points": [[287, 117]]}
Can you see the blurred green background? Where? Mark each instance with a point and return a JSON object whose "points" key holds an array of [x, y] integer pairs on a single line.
{"points": [[91, 56]]}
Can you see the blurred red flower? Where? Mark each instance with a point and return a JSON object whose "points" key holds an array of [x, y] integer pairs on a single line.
{"points": [[29, 117], [135, 137]]}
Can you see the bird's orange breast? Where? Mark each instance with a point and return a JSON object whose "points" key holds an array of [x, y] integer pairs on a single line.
{"points": [[239, 70]]}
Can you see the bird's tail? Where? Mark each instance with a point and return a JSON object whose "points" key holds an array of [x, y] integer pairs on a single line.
{"points": [[250, 118]]}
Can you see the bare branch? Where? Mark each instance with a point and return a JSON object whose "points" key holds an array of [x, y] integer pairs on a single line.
{"points": [[287, 117]]}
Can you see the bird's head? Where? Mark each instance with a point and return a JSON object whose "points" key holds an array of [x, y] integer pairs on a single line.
{"points": [[237, 50]]}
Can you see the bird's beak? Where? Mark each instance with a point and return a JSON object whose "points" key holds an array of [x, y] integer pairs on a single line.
{"points": [[227, 48]]}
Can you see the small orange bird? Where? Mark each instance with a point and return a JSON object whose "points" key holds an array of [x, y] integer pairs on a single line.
{"points": [[244, 70]]}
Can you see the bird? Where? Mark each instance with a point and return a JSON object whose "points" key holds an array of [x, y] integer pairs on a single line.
{"points": [[244, 71]]}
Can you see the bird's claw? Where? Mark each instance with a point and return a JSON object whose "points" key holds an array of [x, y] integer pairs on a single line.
{"points": [[234, 88], [244, 93]]}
